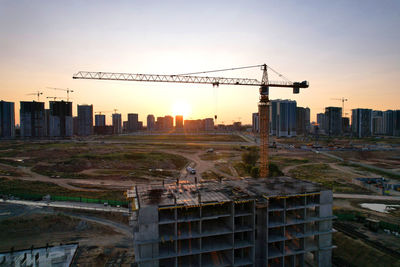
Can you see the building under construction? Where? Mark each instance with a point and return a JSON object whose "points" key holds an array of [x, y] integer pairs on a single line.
{"points": [[277, 221]]}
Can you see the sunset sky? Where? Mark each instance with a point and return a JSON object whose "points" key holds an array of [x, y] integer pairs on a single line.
{"points": [[343, 48]]}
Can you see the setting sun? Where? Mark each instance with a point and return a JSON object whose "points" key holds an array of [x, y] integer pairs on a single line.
{"points": [[181, 107]]}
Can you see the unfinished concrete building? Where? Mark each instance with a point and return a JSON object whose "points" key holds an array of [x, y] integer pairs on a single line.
{"points": [[248, 222]]}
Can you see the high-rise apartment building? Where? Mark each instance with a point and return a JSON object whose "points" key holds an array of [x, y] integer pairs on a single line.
{"points": [[193, 125], [388, 122], [179, 122], [168, 123], [346, 125], [160, 124], [283, 118], [377, 122], [75, 123], [302, 121], [133, 119], [276, 221], [32, 119], [7, 120], [117, 123], [333, 121], [321, 122], [60, 119], [361, 122], [99, 120], [209, 124], [151, 123], [396, 118], [85, 120]]}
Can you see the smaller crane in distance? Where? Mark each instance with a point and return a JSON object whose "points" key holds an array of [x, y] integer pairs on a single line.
{"points": [[343, 100], [55, 97], [62, 89], [100, 112], [38, 94]]}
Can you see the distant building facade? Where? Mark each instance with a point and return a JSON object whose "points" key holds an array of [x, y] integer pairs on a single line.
{"points": [[32, 119], [179, 122], [282, 118], [396, 126], [302, 121], [7, 120], [193, 125], [100, 120], [321, 122], [60, 119], [117, 123], [333, 121], [160, 124], [168, 123], [133, 119], [85, 120], [209, 124], [361, 125], [377, 122], [151, 123], [346, 125]]}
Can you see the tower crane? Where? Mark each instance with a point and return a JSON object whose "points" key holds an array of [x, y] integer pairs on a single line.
{"points": [[38, 94], [191, 78], [343, 100], [56, 97], [100, 112], [62, 89]]}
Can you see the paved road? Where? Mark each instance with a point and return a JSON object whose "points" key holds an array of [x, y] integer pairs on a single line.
{"points": [[370, 197], [68, 205]]}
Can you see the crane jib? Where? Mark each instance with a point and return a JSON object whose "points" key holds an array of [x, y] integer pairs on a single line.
{"points": [[178, 79]]}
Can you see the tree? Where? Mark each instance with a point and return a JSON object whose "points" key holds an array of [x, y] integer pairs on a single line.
{"points": [[274, 170], [251, 157]]}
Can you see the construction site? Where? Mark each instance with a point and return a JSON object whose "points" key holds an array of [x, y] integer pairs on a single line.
{"points": [[277, 221], [257, 222]]}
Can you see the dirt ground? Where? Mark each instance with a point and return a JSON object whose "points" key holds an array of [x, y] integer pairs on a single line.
{"points": [[104, 239]]}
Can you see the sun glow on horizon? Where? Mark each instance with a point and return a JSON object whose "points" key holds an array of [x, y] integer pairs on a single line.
{"points": [[181, 107]]}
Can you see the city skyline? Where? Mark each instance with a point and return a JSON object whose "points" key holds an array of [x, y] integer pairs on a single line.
{"points": [[358, 62]]}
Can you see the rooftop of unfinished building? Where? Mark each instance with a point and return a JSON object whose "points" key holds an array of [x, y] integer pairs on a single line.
{"points": [[192, 194]]}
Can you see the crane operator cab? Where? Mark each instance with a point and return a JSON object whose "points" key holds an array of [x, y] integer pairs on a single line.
{"points": [[297, 86], [264, 90]]}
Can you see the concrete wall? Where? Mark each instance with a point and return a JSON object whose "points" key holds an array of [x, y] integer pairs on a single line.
{"points": [[148, 230]]}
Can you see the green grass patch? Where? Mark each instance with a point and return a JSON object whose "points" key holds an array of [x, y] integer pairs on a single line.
{"points": [[223, 167], [22, 187], [323, 174], [354, 252], [285, 161], [387, 174]]}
